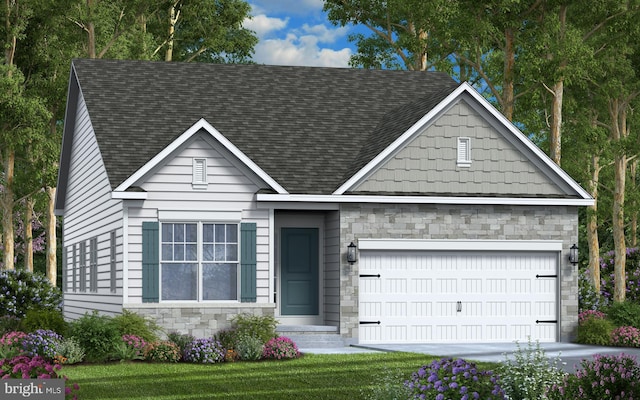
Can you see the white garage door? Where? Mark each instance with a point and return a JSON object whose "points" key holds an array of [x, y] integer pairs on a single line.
{"points": [[480, 296]]}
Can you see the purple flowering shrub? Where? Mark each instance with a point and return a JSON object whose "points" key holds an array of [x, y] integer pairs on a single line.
{"points": [[42, 343], [280, 348], [162, 351], [207, 351], [24, 367], [588, 297], [21, 291], [604, 377], [453, 379], [626, 336], [632, 270], [585, 315], [131, 348]]}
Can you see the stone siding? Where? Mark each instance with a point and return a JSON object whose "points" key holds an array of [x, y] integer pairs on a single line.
{"points": [[199, 321], [468, 222]]}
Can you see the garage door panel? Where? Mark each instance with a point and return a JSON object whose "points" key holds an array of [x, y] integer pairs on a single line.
{"points": [[441, 297]]}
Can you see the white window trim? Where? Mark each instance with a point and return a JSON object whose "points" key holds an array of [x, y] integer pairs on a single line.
{"points": [[199, 299], [199, 176], [464, 152]]}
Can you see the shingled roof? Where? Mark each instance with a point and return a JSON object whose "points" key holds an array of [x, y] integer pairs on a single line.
{"points": [[309, 128]]}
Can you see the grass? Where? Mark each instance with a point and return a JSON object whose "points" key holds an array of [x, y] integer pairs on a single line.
{"points": [[340, 376]]}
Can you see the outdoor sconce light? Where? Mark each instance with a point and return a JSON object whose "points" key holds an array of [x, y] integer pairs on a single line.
{"points": [[573, 254], [351, 253]]}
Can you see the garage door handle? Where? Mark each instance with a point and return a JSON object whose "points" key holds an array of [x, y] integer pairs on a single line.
{"points": [[369, 322], [548, 321], [459, 307], [370, 276], [546, 276]]}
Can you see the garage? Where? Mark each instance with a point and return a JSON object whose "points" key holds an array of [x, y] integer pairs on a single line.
{"points": [[467, 291]]}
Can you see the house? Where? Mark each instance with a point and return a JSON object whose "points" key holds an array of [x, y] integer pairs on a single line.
{"points": [[194, 192]]}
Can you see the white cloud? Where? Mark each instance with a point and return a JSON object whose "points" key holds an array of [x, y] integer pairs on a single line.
{"points": [[325, 34], [303, 50], [263, 25]]}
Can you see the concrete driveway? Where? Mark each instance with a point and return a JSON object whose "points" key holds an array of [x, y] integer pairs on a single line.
{"points": [[570, 354]]}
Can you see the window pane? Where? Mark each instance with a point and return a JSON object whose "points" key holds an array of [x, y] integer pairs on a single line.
{"points": [[178, 252], [219, 233], [232, 252], [219, 252], [167, 252], [167, 232], [178, 232], [207, 252], [232, 233], [207, 233], [191, 233], [220, 281], [179, 282], [191, 252]]}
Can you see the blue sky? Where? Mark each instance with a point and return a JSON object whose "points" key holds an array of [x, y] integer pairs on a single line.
{"points": [[297, 32]]}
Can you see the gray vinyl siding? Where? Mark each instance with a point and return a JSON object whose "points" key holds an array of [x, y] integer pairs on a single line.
{"points": [[90, 213], [231, 188], [429, 163], [332, 248]]}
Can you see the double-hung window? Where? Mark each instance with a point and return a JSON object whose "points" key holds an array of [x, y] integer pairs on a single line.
{"points": [[199, 261]]}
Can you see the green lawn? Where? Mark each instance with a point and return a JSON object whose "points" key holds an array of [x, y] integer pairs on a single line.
{"points": [[344, 376]]}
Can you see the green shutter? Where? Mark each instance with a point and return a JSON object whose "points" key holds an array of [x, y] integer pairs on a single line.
{"points": [[150, 262], [247, 262]]}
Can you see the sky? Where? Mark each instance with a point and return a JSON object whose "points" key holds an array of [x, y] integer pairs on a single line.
{"points": [[298, 32]]}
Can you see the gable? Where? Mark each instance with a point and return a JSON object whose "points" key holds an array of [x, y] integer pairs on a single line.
{"points": [[429, 163]]}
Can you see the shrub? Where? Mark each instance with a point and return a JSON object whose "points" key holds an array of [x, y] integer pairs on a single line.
{"points": [[280, 348], [228, 338], [585, 315], [131, 348], [605, 377], [388, 386], [595, 331], [529, 374], [21, 291], [97, 334], [69, 352], [626, 336], [624, 313], [41, 343], [588, 297], [162, 351], [249, 348], [11, 344], [23, 367], [261, 327], [632, 270], [448, 378], [9, 323], [130, 323], [182, 340], [207, 351], [52, 320]]}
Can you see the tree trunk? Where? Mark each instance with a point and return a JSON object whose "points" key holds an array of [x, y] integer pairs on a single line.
{"points": [[91, 30], [52, 265], [555, 136], [172, 31], [618, 132], [28, 234], [509, 73], [6, 201], [633, 172], [592, 225]]}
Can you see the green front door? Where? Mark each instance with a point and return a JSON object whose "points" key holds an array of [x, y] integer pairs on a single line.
{"points": [[299, 271]]}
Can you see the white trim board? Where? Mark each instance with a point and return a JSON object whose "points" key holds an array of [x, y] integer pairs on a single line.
{"points": [[459, 245]]}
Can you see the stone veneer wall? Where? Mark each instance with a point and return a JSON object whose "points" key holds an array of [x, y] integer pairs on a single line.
{"points": [[199, 321], [450, 222]]}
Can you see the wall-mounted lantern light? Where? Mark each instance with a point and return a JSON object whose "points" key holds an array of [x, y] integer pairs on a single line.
{"points": [[573, 254], [351, 253]]}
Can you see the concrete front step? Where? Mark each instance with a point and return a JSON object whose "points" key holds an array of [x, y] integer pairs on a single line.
{"points": [[312, 336]]}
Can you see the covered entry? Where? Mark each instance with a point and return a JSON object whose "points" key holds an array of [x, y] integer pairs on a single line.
{"points": [[469, 294]]}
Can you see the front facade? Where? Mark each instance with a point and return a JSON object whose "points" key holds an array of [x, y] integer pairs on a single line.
{"points": [[216, 205]]}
